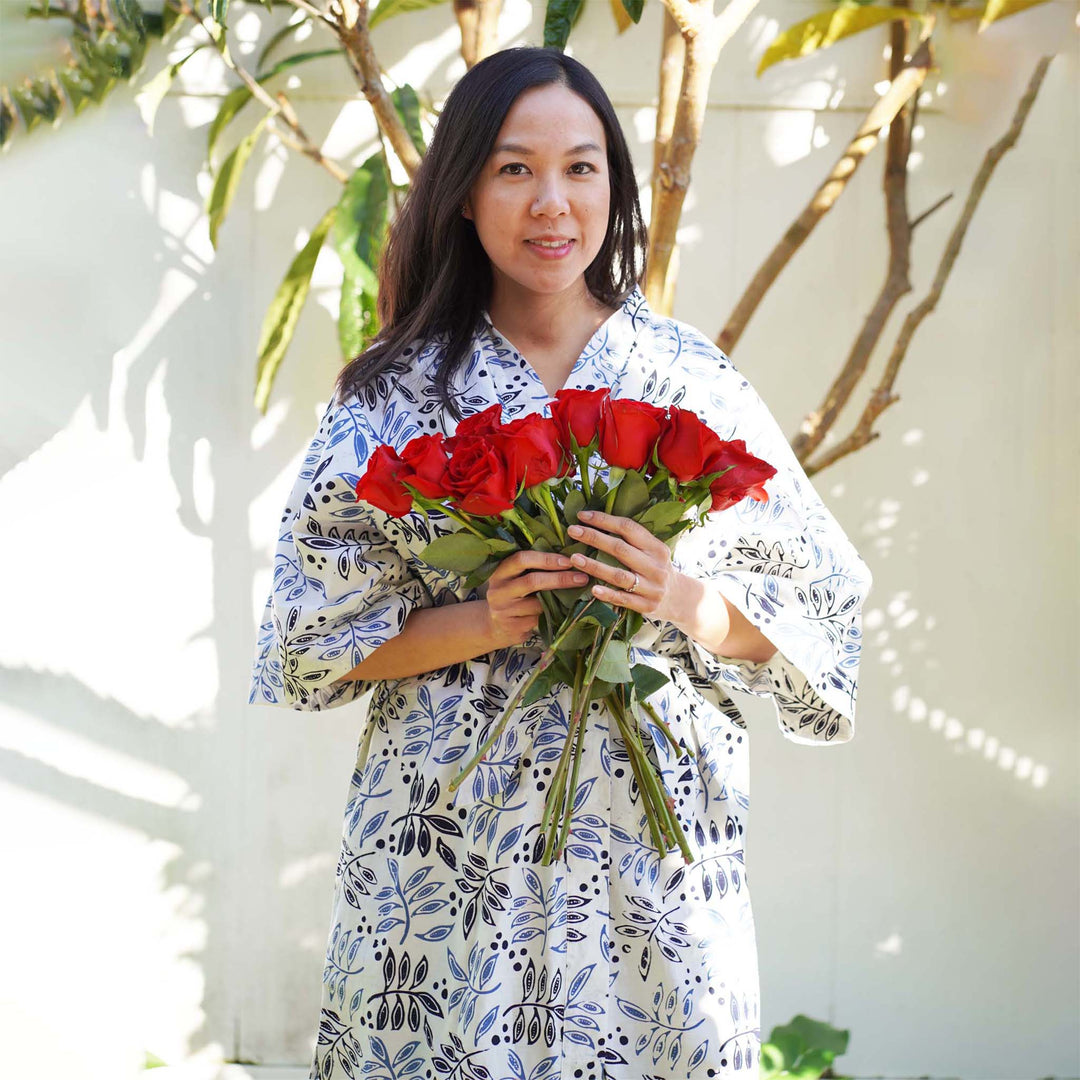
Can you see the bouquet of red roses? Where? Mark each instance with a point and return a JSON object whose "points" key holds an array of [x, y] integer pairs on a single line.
{"points": [[521, 485]]}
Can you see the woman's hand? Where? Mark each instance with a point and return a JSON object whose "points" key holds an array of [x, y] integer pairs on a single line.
{"points": [[513, 612], [659, 591]]}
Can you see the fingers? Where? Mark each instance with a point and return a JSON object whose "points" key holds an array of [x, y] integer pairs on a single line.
{"points": [[552, 571], [630, 537], [526, 559]]}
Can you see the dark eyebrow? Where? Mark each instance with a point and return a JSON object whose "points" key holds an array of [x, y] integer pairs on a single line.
{"points": [[517, 148]]}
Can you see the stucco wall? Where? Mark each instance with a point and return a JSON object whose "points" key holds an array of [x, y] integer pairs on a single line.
{"points": [[169, 850]]}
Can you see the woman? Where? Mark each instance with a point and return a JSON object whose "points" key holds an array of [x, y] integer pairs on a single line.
{"points": [[453, 951]]}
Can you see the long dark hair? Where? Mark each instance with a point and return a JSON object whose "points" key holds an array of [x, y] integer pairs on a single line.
{"points": [[434, 275]]}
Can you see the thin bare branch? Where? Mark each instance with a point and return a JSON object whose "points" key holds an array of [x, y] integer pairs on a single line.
{"points": [[926, 213], [907, 83], [352, 26], [896, 284], [277, 107], [883, 396]]}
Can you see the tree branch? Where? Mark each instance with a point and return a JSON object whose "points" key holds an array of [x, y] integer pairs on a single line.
{"points": [[883, 396], [894, 184], [352, 26], [908, 81]]}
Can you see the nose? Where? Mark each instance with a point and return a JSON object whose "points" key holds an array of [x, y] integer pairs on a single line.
{"points": [[550, 199]]}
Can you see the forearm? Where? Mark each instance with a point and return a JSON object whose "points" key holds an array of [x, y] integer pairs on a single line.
{"points": [[704, 614], [432, 637]]}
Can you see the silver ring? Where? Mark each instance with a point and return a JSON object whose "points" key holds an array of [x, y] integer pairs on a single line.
{"points": [[635, 585]]}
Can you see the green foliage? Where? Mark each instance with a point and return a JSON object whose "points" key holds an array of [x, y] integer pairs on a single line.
{"points": [[801, 1050], [279, 322], [459, 551], [358, 235], [102, 55]]}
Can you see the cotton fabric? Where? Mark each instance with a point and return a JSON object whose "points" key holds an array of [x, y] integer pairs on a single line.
{"points": [[452, 951]]}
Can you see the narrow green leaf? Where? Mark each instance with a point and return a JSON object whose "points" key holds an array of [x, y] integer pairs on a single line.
{"points": [[277, 37], [407, 103], [228, 179], [387, 9], [828, 27], [279, 323], [218, 10], [153, 92], [239, 96], [358, 235], [559, 19]]}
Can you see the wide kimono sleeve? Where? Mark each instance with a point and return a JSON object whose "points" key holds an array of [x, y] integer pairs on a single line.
{"points": [[789, 568], [341, 588]]}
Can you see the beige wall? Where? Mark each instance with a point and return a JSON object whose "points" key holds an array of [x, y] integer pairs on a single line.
{"points": [[169, 850]]}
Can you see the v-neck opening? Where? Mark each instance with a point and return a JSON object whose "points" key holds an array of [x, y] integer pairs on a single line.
{"points": [[602, 331]]}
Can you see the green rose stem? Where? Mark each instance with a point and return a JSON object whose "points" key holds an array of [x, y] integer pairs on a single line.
{"points": [[426, 504], [583, 454], [541, 493], [571, 795], [557, 789], [662, 808], [577, 726], [541, 665], [514, 515], [661, 723], [643, 788]]}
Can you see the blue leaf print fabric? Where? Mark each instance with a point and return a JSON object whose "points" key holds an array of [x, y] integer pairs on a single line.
{"points": [[453, 953]]}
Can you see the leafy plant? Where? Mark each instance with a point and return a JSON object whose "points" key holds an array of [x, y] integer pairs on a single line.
{"points": [[803, 1049]]}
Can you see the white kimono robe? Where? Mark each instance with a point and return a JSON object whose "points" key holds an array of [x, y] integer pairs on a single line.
{"points": [[452, 951]]}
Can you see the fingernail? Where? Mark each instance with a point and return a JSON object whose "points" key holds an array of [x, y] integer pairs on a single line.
{"points": [[585, 513], [578, 558], [575, 530], [563, 560], [581, 578]]}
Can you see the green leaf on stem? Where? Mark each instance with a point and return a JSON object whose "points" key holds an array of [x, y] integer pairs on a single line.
{"points": [[480, 574], [541, 686], [600, 689], [575, 503], [632, 496], [662, 514], [647, 680], [614, 665], [460, 551]]}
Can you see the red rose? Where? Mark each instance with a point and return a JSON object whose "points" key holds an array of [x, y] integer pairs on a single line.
{"points": [[478, 477], [533, 450], [686, 444], [481, 423], [578, 412], [381, 483], [425, 461], [746, 477], [628, 431]]}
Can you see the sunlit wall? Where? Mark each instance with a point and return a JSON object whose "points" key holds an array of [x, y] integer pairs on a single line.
{"points": [[169, 850]]}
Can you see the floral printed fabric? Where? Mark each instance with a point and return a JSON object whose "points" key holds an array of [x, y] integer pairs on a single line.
{"points": [[453, 953]]}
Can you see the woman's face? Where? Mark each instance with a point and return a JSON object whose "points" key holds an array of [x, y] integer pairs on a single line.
{"points": [[547, 176]]}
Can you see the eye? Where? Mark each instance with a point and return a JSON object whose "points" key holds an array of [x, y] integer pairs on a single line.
{"points": [[515, 164]]}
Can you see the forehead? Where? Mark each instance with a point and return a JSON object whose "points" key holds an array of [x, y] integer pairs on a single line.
{"points": [[550, 119]]}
